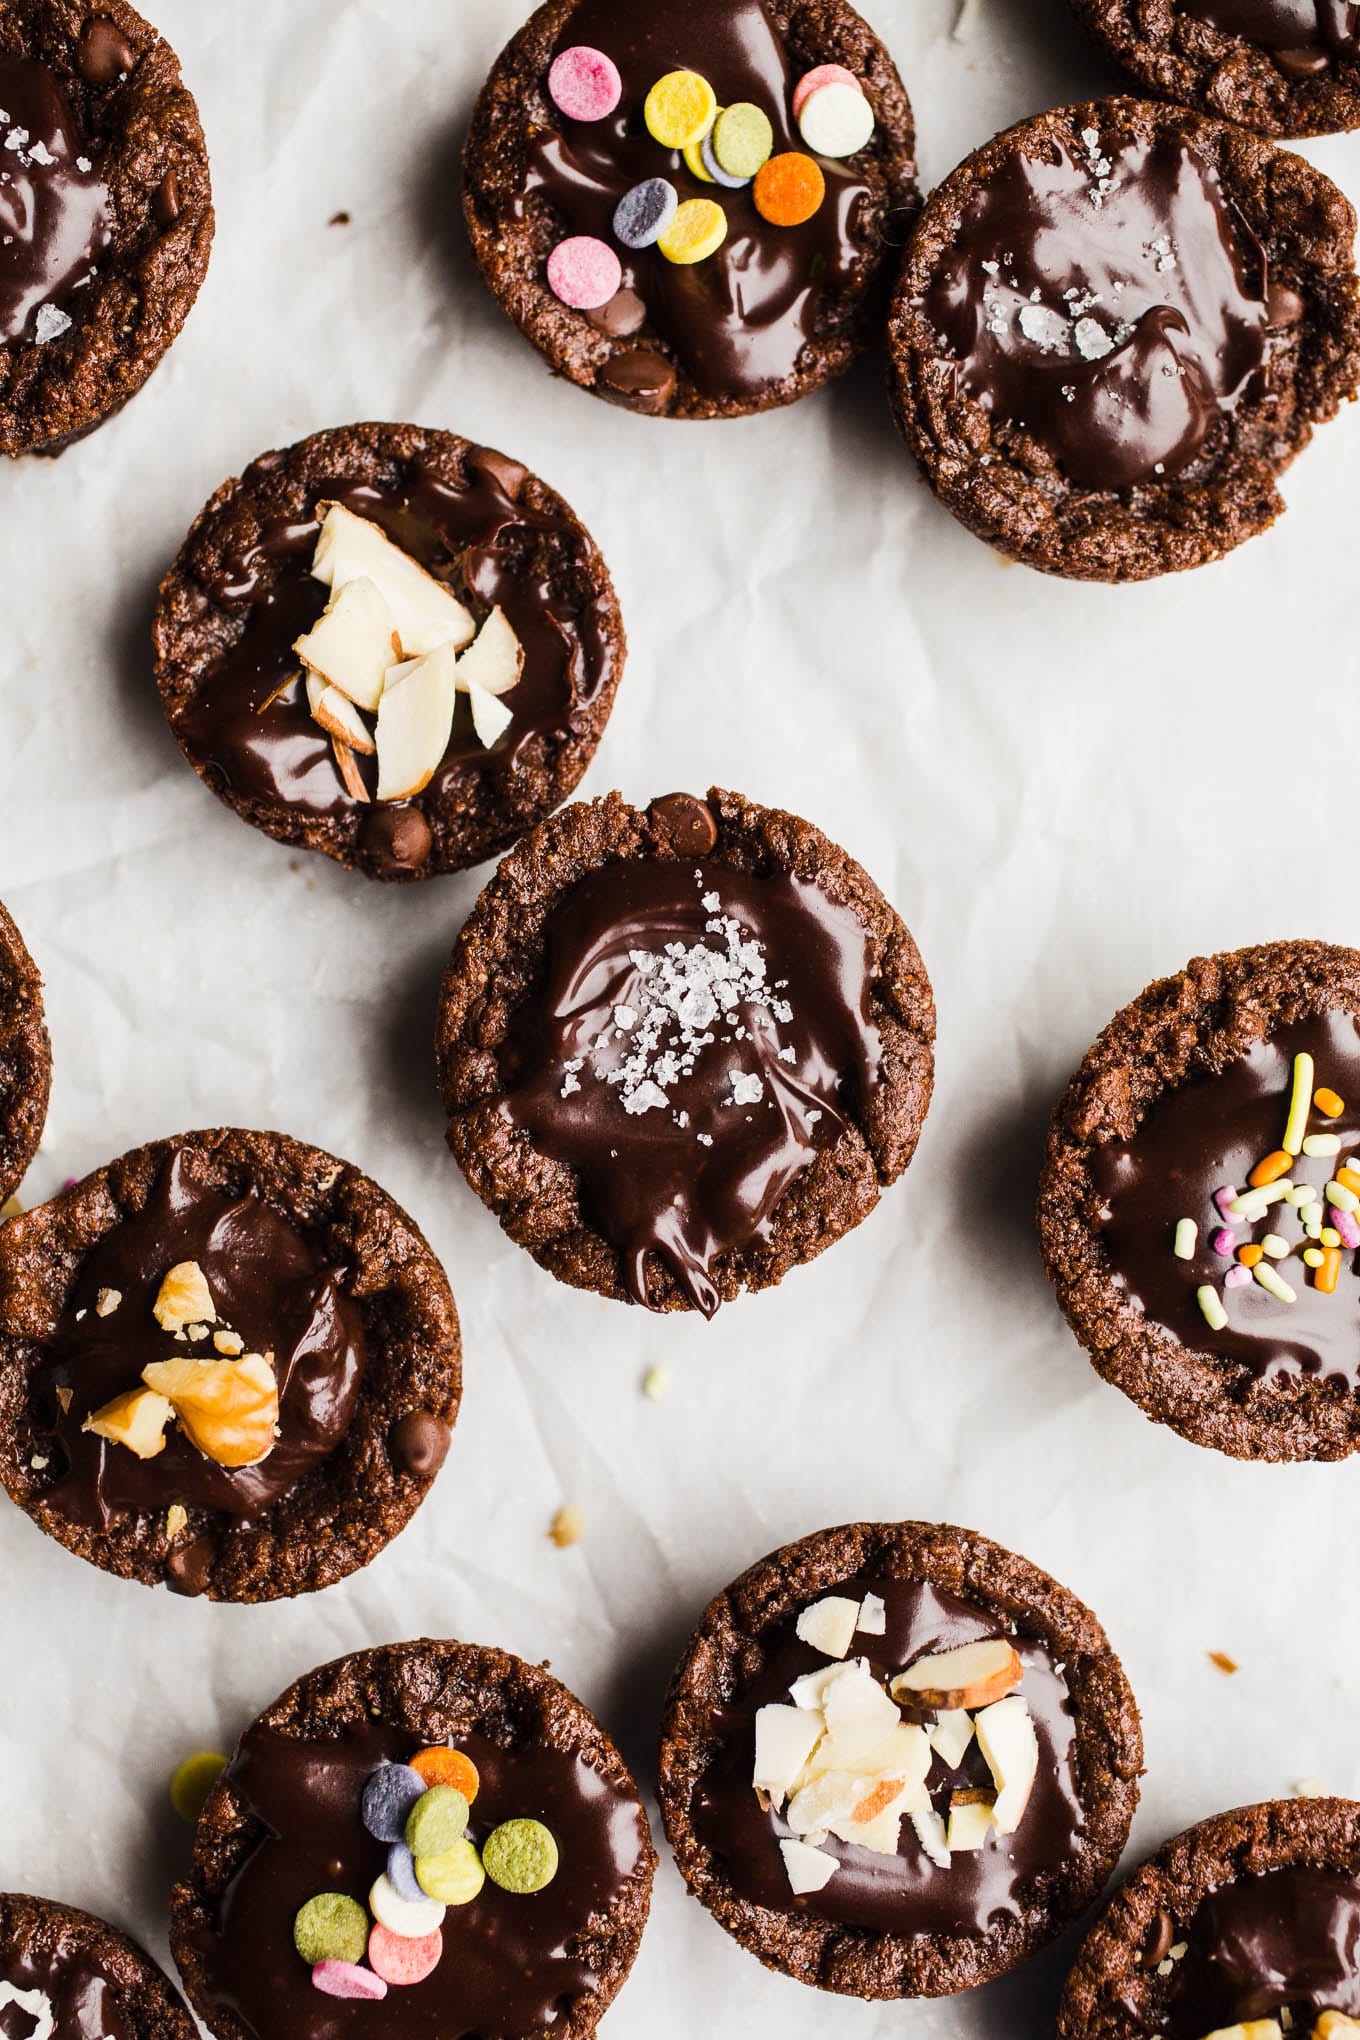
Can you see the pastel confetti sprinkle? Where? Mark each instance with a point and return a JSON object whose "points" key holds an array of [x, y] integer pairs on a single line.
{"points": [[697, 231], [713, 170], [790, 189], [348, 1980], [193, 1781], [401, 1875], [454, 1877], [437, 1821], [403, 1962], [743, 140], [837, 121], [388, 1798], [520, 1856], [644, 213], [404, 1917], [825, 74], [584, 273], [680, 109], [443, 1766], [584, 83], [330, 1928]]}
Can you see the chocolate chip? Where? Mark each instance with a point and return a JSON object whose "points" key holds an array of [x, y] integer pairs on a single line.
{"points": [[507, 474], [1302, 63], [420, 1444], [624, 315], [167, 203], [104, 52], [640, 378], [1284, 307], [685, 824], [397, 839], [340, 219], [1160, 1935], [189, 1567]]}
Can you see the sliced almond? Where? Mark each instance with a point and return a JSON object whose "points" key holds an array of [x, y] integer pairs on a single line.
{"points": [[184, 1299], [971, 1677], [490, 718], [352, 646], [277, 693], [829, 1625], [107, 1302], [176, 1517], [415, 722], [136, 1420], [785, 1739], [495, 661], [950, 1736], [873, 1616], [229, 1408], [970, 1822], [338, 716], [347, 765], [930, 1833], [424, 612], [1005, 1733], [808, 1869]]}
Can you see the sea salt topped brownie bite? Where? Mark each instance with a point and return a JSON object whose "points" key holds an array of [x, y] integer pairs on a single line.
{"points": [[391, 646], [896, 1760], [106, 215], [692, 208], [25, 1059], [228, 1362], [65, 1975], [1200, 1209], [428, 1840], [682, 1050], [1246, 1927], [1117, 325]]}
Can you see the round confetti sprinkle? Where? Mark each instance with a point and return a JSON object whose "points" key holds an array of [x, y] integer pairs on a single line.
{"points": [[825, 74], [713, 169], [837, 121], [697, 231], [743, 139], [409, 1920], [520, 1856], [437, 1821], [331, 1928], [403, 1962], [790, 189], [584, 83], [193, 1781], [584, 273], [389, 1795], [680, 109], [696, 161], [455, 1877], [644, 213], [348, 1980], [448, 1767], [401, 1874]]}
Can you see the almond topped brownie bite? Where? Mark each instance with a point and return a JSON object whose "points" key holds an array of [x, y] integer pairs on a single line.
{"points": [[228, 1362], [1117, 325], [25, 1059], [391, 646], [897, 1760], [65, 1975], [106, 218], [692, 207], [683, 1050]]}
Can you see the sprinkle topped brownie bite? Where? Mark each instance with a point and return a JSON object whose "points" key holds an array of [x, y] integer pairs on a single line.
{"points": [[897, 1759], [391, 646], [67, 1976], [683, 1050], [1117, 325], [25, 1059], [1200, 1211], [692, 209]]}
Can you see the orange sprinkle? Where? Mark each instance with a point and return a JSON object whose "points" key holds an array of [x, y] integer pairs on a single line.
{"points": [[1327, 1275], [1225, 1664], [789, 189], [1349, 1180], [1249, 1256], [1271, 1169], [448, 1767], [1328, 1102]]}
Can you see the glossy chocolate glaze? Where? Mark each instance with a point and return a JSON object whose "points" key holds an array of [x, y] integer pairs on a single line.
{"points": [[269, 1284], [1289, 1938], [738, 322], [903, 1894], [53, 214], [263, 743], [510, 1963], [1128, 249], [1314, 28], [696, 1190], [84, 2003], [1213, 1131]]}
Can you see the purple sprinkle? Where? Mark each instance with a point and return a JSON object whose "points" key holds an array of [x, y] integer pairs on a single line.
{"points": [[1223, 1198], [1225, 1243], [389, 1795], [1237, 1277], [401, 1875], [1344, 1221]]}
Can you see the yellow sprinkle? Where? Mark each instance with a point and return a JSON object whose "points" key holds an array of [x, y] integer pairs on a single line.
{"points": [[1187, 1238], [1313, 1257], [697, 231], [1329, 1236], [193, 1781], [1278, 1249], [1296, 1126], [656, 1383], [694, 161], [1342, 1198], [568, 1526], [680, 109], [1211, 1304]]}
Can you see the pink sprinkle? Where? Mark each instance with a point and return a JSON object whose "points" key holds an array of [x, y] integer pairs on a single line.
{"points": [[1225, 1243], [1237, 1277], [348, 1980], [585, 83], [404, 1962], [584, 273], [825, 74], [1223, 1198], [1344, 1221]]}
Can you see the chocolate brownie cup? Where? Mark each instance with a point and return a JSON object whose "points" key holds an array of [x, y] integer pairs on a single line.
{"points": [[1246, 1927], [1283, 67], [1198, 1213], [65, 1975], [389, 645], [106, 219], [683, 1050], [25, 1059], [1116, 326], [228, 1362], [693, 209], [897, 1760], [427, 1839]]}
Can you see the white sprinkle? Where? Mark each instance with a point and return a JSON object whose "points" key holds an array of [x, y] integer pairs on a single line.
{"points": [[41, 154], [1093, 342], [647, 1097], [1045, 327], [746, 1090], [624, 1018], [50, 324], [84, 165]]}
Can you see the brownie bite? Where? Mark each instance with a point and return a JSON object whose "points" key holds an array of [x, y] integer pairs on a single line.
{"points": [[1283, 67], [391, 646], [693, 210], [682, 1050], [429, 1839], [1200, 1208], [897, 1760], [106, 217], [1116, 326], [25, 1059], [228, 1362], [65, 1975], [1246, 1927]]}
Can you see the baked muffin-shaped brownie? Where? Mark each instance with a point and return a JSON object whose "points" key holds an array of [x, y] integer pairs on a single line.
{"points": [[1283, 67], [683, 1050], [65, 1975], [897, 1760], [228, 1362], [391, 646], [427, 1840], [1246, 1927], [1199, 1214], [1116, 326], [25, 1059], [693, 209], [106, 217]]}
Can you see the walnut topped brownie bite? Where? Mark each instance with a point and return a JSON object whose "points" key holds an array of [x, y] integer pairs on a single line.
{"points": [[25, 1059], [65, 1975]]}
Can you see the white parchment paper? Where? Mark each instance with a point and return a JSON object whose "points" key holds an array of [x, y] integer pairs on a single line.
{"points": [[1066, 790]]}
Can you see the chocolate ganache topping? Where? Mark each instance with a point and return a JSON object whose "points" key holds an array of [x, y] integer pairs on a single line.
{"points": [[906, 1893], [53, 205], [63, 1985], [511, 1961], [1287, 1940], [1313, 31], [739, 321], [249, 720], [268, 1282], [1102, 304], [699, 1036], [1208, 1137]]}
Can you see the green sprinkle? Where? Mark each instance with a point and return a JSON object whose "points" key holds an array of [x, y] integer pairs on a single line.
{"points": [[656, 1383], [1211, 1303], [331, 1928], [520, 1856], [1274, 1283], [1278, 1249], [1187, 1239], [743, 139], [437, 1821], [1322, 1144]]}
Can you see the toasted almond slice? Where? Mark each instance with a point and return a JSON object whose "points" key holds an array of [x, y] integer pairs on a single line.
{"points": [[137, 1420], [424, 612], [973, 1676], [415, 722], [277, 693], [808, 1869], [338, 716], [490, 718], [353, 645], [950, 1736], [229, 1408], [930, 1834], [829, 1625], [176, 1517], [184, 1299], [347, 765], [495, 660], [785, 1739], [970, 1822], [1005, 1733]]}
